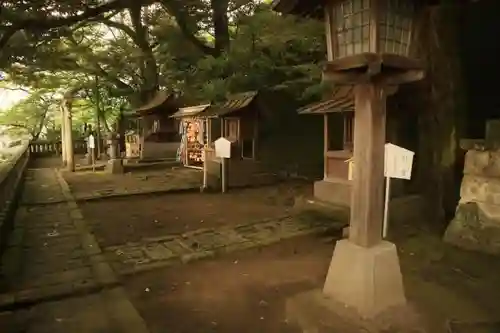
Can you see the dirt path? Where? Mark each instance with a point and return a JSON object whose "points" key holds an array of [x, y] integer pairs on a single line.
{"points": [[242, 292], [130, 219], [246, 291]]}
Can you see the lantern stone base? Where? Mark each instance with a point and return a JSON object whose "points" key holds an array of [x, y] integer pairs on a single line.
{"points": [[314, 312], [363, 290], [115, 166]]}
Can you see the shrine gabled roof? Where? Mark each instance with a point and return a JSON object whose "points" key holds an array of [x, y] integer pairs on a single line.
{"points": [[342, 100], [233, 104], [191, 111], [161, 102]]}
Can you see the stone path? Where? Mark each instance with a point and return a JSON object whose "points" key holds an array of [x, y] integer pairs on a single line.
{"points": [[157, 252], [154, 182], [52, 257]]}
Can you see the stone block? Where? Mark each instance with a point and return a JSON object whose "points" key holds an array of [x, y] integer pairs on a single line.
{"points": [[480, 189], [338, 193], [474, 228], [157, 251], [315, 312], [482, 163], [472, 144], [115, 166], [368, 280]]}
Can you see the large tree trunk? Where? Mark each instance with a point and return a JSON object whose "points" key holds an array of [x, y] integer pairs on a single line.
{"points": [[221, 27], [438, 99]]}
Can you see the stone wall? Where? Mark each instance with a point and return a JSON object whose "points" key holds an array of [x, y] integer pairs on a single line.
{"points": [[11, 181], [476, 225]]}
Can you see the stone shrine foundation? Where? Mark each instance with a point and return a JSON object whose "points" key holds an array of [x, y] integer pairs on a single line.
{"points": [[476, 225]]}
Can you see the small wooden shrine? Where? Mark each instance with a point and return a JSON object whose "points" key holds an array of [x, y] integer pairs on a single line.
{"points": [[194, 135], [237, 119], [338, 114], [157, 132]]}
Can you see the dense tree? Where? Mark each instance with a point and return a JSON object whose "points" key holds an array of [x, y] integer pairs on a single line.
{"points": [[134, 52]]}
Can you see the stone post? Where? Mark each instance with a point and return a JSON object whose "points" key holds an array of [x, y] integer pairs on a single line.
{"points": [[115, 163], [64, 159], [70, 156]]}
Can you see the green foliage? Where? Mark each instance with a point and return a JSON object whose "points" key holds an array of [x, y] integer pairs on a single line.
{"points": [[28, 117], [135, 52], [267, 50]]}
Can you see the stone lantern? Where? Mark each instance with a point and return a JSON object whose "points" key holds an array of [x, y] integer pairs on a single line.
{"points": [[115, 163], [369, 47], [371, 39]]}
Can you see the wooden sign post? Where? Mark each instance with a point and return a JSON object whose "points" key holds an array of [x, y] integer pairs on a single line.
{"points": [[205, 170], [91, 143], [223, 151], [398, 164]]}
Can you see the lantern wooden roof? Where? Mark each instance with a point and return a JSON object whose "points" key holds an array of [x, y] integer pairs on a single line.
{"points": [[233, 104], [314, 8], [163, 102], [191, 111], [341, 101]]}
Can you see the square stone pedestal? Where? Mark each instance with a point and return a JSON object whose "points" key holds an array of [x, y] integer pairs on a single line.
{"points": [[363, 290], [314, 312], [115, 166]]}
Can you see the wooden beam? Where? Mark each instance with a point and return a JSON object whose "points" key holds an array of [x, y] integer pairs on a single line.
{"points": [[388, 78], [360, 61]]}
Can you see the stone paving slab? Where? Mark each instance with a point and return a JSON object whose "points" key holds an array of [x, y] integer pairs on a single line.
{"points": [[152, 253], [54, 267], [98, 185], [41, 188], [104, 312], [41, 255], [116, 193]]}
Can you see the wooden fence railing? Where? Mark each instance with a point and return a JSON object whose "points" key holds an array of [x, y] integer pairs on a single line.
{"points": [[41, 148], [11, 180]]}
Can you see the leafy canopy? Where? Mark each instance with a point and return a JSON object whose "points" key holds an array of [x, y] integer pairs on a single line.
{"points": [[120, 57]]}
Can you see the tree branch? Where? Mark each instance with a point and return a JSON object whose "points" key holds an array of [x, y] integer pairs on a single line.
{"points": [[16, 89], [51, 23], [120, 26], [97, 69], [178, 15], [150, 69]]}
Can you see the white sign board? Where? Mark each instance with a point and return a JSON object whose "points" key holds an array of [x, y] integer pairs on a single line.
{"points": [[223, 148], [91, 142], [398, 162]]}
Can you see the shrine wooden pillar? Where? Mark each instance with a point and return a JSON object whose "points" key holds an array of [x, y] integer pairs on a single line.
{"points": [[367, 202]]}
